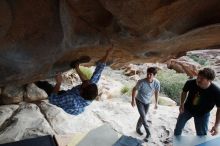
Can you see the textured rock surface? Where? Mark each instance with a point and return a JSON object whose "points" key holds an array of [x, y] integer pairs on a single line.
{"points": [[109, 88], [33, 93], [12, 94], [184, 65], [6, 112], [209, 58], [141, 69], [195, 60], [24, 125], [41, 37], [63, 123], [21, 123], [114, 110]]}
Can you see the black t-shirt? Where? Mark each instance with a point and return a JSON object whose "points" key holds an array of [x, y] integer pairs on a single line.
{"points": [[201, 101]]}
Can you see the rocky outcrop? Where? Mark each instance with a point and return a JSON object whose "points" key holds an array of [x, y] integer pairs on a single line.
{"points": [[16, 94], [6, 113], [140, 69], [33, 93], [63, 123], [39, 38], [184, 65], [21, 124], [17, 121], [12, 94], [209, 58], [195, 60]]}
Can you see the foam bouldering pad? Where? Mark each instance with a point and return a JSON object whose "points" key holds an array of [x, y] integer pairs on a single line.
{"points": [[101, 136], [213, 142], [69, 139], [128, 141], [38, 141], [196, 140]]}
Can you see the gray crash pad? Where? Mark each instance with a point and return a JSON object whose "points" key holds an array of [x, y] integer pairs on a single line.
{"points": [[101, 136], [196, 140]]}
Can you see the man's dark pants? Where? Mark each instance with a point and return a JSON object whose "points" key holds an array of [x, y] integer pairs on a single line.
{"points": [[201, 123], [47, 87], [142, 109]]}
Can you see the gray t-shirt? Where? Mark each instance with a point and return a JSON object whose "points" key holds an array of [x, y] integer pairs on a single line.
{"points": [[146, 90]]}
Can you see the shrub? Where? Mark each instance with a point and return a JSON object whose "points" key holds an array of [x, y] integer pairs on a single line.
{"points": [[201, 61], [166, 102], [171, 83], [86, 71], [126, 90]]}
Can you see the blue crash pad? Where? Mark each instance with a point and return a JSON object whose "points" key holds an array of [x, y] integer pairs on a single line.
{"points": [[39, 141]]}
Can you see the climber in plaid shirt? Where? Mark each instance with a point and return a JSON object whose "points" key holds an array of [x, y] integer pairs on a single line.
{"points": [[75, 100]]}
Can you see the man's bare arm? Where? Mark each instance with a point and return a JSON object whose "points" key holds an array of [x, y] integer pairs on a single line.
{"points": [[134, 93], [217, 120], [105, 57], [156, 99], [214, 130], [182, 101], [58, 83]]}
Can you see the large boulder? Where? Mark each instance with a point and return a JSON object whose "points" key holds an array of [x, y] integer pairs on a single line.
{"points": [[209, 58], [39, 38], [64, 123], [109, 88], [26, 122], [19, 122], [6, 111], [33, 93], [12, 94], [184, 65]]}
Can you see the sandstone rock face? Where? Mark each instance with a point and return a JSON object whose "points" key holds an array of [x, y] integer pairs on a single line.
{"points": [[184, 65], [109, 88], [141, 69], [17, 94], [19, 122], [63, 123], [24, 125], [209, 58], [12, 94], [6, 112], [38, 38], [196, 60], [33, 93]]}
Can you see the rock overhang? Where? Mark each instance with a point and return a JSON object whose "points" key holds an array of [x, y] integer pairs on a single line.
{"points": [[41, 37]]}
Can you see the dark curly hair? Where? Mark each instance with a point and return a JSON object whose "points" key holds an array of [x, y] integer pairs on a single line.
{"points": [[152, 70], [90, 92], [208, 73]]}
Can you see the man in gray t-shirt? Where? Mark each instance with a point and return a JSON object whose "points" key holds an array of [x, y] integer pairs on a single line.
{"points": [[142, 95]]}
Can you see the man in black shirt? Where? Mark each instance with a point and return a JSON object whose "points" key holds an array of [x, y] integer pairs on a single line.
{"points": [[202, 95]]}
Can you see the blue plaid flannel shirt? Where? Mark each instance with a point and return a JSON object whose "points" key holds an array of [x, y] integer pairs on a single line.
{"points": [[71, 101]]}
